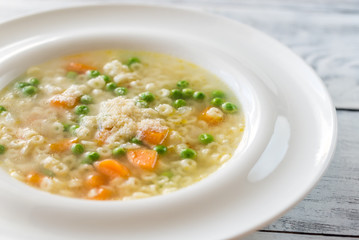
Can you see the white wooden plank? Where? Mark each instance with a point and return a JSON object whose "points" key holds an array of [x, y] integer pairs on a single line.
{"points": [[289, 236], [325, 37], [333, 205]]}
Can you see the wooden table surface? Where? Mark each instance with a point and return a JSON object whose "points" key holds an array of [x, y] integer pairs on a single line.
{"points": [[326, 35]]}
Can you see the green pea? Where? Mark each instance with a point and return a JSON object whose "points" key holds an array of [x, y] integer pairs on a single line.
{"points": [[136, 141], [168, 174], [176, 94], [179, 103], [182, 84], [206, 138], [160, 149], [2, 149], [119, 151], [217, 101], [29, 90], [199, 95], [73, 128], [133, 60], [218, 94], [147, 96], [106, 78], [87, 161], [34, 82], [82, 109], [229, 107], [111, 86], [93, 73], [77, 148], [92, 157], [120, 91], [142, 104], [2, 109], [188, 153], [66, 127], [21, 85], [86, 99], [71, 75], [187, 92], [47, 172]]}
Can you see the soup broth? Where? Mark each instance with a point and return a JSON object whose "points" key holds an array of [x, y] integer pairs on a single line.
{"points": [[116, 125]]}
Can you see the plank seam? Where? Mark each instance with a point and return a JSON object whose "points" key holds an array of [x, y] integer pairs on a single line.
{"points": [[313, 234], [347, 109]]}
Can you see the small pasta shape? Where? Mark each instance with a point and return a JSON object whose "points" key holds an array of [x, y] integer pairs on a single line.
{"points": [[164, 109], [97, 82]]}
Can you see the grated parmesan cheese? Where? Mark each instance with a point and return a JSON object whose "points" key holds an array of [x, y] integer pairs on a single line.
{"points": [[122, 118], [152, 124]]}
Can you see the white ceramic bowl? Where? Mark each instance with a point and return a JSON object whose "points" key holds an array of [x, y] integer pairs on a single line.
{"points": [[287, 143]]}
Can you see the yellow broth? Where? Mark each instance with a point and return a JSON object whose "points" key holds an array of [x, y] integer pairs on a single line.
{"points": [[89, 125]]}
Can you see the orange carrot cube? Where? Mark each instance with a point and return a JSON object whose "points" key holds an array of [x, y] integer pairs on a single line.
{"points": [[112, 168], [63, 101], [143, 158], [34, 178], [62, 145], [211, 115], [95, 180], [153, 137], [100, 194], [79, 67]]}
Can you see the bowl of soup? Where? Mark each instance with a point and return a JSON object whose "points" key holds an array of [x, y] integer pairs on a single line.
{"points": [[149, 128]]}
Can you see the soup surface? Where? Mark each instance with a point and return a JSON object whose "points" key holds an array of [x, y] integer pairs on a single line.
{"points": [[116, 124]]}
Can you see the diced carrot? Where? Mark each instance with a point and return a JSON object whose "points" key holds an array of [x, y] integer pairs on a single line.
{"points": [[63, 101], [100, 194], [143, 158], [101, 136], [211, 116], [62, 145], [79, 67], [112, 168], [95, 180], [153, 137], [34, 178]]}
